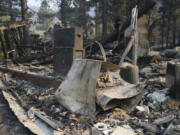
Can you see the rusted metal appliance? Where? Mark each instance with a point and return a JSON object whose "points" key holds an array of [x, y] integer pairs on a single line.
{"points": [[68, 46], [173, 79]]}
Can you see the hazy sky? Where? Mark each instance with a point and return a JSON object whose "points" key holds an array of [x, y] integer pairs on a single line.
{"points": [[35, 4]]}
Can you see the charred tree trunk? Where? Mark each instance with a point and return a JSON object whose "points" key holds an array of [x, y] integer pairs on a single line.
{"points": [[167, 34], [162, 33], [84, 14], [96, 19], [63, 4], [104, 17], [168, 31], [174, 30], [179, 37], [24, 9], [3, 44], [11, 14]]}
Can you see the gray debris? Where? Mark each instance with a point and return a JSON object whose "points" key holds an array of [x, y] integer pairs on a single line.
{"points": [[164, 120], [124, 130], [157, 97]]}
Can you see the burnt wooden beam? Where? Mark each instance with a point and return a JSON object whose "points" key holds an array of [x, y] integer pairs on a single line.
{"points": [[32, 47], [11, 26], [3, 44], [34, 57], [8, 43], [41, 81]]}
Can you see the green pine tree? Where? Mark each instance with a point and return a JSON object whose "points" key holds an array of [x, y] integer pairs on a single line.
{"points": [[45, 14]]}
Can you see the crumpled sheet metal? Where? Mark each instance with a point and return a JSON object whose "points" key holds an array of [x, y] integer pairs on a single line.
{"points": [[110, 97], [77, 91]]}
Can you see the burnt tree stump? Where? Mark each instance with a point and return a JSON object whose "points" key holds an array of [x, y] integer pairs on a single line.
{"points": [[173, 79], [130, 73]]}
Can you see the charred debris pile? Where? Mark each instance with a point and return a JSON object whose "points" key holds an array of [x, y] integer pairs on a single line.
{"points": [[60, 85]]}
